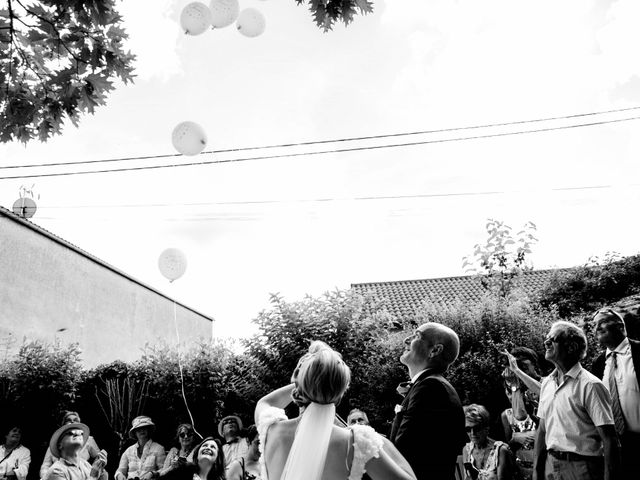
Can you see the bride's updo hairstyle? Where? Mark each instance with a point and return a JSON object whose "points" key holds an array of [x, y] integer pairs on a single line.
{"points": [[321, 376]]}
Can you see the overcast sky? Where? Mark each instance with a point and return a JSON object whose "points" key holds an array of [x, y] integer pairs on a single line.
{"points": [[413, 65]]}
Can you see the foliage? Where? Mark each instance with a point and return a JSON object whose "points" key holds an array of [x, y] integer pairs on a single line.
{"points": [[486, 329], [587, 288], [37, 383], [327, 12], [501, 260], [58, 59], [353, 325]]}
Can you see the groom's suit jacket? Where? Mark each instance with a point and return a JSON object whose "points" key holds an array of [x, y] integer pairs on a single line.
{"points": [[429, 429]]}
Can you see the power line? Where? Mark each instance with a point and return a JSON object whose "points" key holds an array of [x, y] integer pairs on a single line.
{"points": [[323, 152], [321, 142], [336, 199]]}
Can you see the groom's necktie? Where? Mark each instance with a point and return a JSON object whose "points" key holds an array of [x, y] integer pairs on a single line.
{"points": [[618, 416]]}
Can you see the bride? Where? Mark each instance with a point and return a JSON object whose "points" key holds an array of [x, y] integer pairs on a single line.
{"points": [[312, 447]]}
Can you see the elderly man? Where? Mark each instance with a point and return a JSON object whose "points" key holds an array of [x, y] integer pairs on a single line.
{"points": [[65, 444], [619, 368], [235, 447], [357, 417], [429, 427], [576, 436]]}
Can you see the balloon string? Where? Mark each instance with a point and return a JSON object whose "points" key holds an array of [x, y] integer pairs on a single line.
{"points": [[184, 397]]}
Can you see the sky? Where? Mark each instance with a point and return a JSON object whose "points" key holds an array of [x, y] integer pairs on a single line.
{"points": [[257, 227]]}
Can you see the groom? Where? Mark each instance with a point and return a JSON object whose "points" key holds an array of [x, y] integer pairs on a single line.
{"points": [[429, 428]]}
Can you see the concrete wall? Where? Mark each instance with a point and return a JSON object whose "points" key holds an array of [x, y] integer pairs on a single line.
{"points": [[46, 286]]}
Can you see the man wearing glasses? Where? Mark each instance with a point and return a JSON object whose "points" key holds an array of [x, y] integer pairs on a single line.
{"points": [[576, 436], [619, 368]]}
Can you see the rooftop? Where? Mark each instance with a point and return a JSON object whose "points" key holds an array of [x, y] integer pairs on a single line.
{"points": [[404, 296]]}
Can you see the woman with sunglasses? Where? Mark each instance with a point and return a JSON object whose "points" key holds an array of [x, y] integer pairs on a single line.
{"points": [[483, 457], [186, 443]]}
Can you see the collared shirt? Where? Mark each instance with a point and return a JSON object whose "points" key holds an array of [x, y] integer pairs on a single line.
{"points": [[89, 451], [66, 470], [573, 410], [152, 459], [627, 383], [234, 450], [18, 461], [417, 375]]}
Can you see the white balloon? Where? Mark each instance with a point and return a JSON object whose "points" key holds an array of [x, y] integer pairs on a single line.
{"points": [[195, 18], [251, 22], [172, 263], [223, 12], [189, 138]]}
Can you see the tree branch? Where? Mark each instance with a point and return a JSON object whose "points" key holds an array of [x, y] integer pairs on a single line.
{"points": [[55, 28]]}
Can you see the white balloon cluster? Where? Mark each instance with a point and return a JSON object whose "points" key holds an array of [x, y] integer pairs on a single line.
{"points": [[196, 17]]}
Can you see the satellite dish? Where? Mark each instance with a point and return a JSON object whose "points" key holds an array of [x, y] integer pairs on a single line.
{"points": [[24, 207]]}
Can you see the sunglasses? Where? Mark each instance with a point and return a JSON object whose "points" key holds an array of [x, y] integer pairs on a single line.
{"points": [[475, 429], [550, 340], [185, 434]]}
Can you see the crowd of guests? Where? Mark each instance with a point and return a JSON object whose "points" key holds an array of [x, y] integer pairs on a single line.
{"points": [[570, 424]]}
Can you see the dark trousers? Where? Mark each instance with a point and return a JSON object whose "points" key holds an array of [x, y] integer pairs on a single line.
{"points": [[630, 442]]}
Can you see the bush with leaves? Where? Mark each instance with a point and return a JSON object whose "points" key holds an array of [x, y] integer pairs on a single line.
{"points": [[353, 325], [587, 288], [58, 58], [485, 329], [38, 383]]}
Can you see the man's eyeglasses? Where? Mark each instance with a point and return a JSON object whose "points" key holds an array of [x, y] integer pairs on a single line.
{"points": [[550, 340]]}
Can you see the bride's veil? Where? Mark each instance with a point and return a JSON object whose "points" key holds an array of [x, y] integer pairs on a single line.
{"points": [[309, 450]]}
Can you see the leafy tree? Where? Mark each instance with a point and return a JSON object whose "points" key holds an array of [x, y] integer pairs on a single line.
{"points": [[503, 257], [58, 59], [327, 12]]}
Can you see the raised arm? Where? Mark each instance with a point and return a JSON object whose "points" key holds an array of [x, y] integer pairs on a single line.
{"points": [[279, 398], [531, 383]]}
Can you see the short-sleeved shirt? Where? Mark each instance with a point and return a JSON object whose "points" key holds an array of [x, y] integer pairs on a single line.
{"points": [[572, 411], [66, 470], [18, 460], [235, 450], [152, 459]]}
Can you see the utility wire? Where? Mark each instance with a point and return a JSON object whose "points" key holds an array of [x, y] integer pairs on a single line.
{"points": [[322, 152], [321, 142], [335, 199]]}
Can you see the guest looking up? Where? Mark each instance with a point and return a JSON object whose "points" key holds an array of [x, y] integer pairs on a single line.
{"points": [[428, 428], [145, 458], [576, 422], [15, 457], [235, 446], [65, 445], [89, 452]]}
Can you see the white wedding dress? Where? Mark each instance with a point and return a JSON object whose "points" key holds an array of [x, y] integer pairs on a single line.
{"points": [[367, 443]]}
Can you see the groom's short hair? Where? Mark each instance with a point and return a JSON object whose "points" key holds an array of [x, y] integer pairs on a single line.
{"points": [[437, 333]]}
